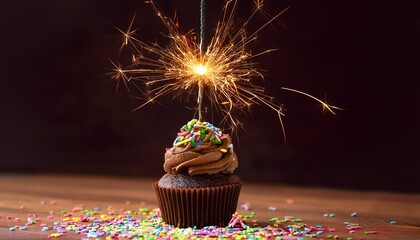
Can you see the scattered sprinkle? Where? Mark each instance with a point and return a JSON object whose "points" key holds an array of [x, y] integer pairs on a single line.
{"points": [[353, 214], [246, 206], [392, 222], [144, 223]]}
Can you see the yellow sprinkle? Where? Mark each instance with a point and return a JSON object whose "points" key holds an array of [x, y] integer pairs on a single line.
{"points": [[66, 219], [223, 150], [104, 217], [55, 235], [182, 142]]}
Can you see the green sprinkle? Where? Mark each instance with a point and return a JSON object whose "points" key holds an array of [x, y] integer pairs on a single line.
{"points": [[144, 210]]}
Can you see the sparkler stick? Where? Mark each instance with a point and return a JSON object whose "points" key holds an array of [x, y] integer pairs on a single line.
{"points": [[202, 51]]}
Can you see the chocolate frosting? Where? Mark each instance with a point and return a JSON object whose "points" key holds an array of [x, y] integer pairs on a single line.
{"points": [[205, 156]]}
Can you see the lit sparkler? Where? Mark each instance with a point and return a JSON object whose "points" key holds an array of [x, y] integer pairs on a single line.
{"points": [[224, 71]]}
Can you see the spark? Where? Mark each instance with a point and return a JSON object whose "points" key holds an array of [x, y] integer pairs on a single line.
{"points": [[200, 69], [225, 72]]}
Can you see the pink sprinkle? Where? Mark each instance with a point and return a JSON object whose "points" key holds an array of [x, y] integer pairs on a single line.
{"points": [[17, 219], [43, 225], [373, 232], [77, 208], [290, 201], [331, 229], [51, 212], [352, 231], [50, 217], [246, 206], [272, 208]]}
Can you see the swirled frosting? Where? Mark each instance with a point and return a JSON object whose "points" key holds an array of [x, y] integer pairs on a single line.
{"points": [[200, 148]]}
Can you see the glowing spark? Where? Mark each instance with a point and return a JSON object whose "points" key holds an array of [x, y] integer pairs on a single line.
{"points": [[224, 73], [200, 69]]}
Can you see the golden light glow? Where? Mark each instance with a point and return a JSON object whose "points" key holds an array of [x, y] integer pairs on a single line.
{"points": [[200, 69], [225, 72]]}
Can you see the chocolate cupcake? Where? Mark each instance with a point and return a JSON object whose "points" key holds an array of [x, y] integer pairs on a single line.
{"points": [[199, 187]]}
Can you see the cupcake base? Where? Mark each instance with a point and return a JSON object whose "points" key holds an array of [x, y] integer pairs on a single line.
{"points": [[198, 207]]}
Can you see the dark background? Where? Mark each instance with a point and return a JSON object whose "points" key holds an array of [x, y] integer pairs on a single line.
{"points": [[60, 112]]}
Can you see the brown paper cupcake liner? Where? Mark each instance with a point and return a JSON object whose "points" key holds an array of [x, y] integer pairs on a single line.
{"points": [[189, 207]]}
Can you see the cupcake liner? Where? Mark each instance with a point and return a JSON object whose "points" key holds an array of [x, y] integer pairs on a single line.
{"points": [[189, 207]]}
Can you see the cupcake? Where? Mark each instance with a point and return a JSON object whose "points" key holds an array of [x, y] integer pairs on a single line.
{"points": [[199, 188]]}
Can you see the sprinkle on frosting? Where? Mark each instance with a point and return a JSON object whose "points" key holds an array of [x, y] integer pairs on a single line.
{"points": [[197, 133]]}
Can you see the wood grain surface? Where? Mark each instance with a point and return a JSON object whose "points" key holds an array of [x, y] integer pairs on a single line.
{"points": [[21, 195]]}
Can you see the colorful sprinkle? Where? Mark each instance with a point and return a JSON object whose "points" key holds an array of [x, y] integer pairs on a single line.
{"points": [[196, 132], [144, 223]]}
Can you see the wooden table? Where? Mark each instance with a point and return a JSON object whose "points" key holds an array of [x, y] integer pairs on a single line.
{"points": [[38, 194]]}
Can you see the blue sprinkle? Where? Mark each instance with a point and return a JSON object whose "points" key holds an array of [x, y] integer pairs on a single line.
{"points": [[392, 222], [12, 229], [354, 214], [56, 223], [45, 229], [332, 214]]}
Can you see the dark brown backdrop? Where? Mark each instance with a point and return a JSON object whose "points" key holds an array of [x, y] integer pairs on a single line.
{"points": [[60, 113]]}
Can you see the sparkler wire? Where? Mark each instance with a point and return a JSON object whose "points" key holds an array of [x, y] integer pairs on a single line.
{"points": [[202, 50]]}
